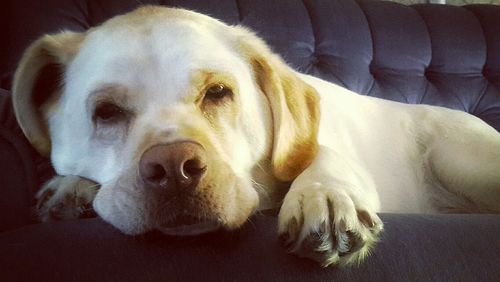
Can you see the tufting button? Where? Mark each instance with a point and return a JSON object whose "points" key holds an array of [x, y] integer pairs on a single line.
{"points": [[485, 73], [314, 59], [372, 69], [426, 74]]}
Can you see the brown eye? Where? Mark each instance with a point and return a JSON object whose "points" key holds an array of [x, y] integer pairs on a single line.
{"points": [[108, 112], [218, 92]]}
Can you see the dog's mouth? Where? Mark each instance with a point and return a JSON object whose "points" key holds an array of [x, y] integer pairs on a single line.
{"points": [[188, 225]]}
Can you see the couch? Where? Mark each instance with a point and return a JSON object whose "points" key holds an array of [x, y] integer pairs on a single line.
{"points": [[431, 54]]}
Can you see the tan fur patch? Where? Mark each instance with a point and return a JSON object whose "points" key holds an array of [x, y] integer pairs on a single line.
{"points": [[201, 81], [294, 106]]}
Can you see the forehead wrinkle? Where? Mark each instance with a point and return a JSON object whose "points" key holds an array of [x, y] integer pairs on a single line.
{"points": [[200, 78], [176, 64], [109, 91], [159, 62]]}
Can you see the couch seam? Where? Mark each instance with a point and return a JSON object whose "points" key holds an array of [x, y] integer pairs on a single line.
{"points": [[239, 10], [425, 90], [483, 91], [370, 29], [426, 70], [488, 82], [31, 179], [314, 31]]}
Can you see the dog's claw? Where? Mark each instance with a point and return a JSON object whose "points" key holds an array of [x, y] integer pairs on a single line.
{"points": [[311, 229], [66, 197]]}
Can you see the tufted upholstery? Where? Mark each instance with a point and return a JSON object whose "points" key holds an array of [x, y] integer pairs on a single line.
{"points": [[431, 54], [441, 55]]}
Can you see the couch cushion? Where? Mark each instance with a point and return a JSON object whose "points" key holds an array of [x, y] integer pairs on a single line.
{"points": [[412, 248], [17, 170]]}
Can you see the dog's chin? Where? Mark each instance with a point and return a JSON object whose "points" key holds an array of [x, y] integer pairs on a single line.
{"points": [[188, 226]]}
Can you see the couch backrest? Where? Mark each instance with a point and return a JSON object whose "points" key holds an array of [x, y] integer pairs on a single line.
{"points": [[433, 54]]}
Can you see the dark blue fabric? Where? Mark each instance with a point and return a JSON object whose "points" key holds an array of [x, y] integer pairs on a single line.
{"points": [[412, 248], [17, 170]]}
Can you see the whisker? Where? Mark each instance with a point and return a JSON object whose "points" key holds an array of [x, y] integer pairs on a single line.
{"points": [[260, 188], [95, 185], [250, 221]]}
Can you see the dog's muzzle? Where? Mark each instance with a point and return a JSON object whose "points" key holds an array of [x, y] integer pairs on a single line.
{"points": [[174, 171]]}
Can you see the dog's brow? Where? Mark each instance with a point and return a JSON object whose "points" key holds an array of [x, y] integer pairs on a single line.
{"points": [[111, 89], [201, 78], [109, 92]]}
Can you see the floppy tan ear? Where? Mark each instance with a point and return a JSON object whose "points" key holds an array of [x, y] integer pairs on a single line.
{"points": [[37, 82], [294, 107]]}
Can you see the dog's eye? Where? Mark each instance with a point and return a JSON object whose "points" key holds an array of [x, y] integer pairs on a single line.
{"points": [[218, 92], [108, 112]]}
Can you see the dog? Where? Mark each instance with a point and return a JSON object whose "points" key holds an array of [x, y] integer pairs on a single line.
{"points": [[167, 119]]}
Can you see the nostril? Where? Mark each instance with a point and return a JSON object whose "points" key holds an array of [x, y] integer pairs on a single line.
{"points": [[193, 168], [156, 174]]}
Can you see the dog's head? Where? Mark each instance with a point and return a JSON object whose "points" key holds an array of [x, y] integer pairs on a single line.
{"points": [[172, 112]]}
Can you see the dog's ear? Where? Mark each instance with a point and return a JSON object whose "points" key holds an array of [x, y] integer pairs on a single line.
{"points": [[37, 84], [294, 107]]}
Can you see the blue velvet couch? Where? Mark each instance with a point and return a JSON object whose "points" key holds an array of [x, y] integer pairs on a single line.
{"points": [[432, 54]]}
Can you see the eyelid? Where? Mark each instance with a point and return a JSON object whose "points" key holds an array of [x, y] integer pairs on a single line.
{"points": [[109, 92], [113, 101], [125, 114], [210, 85]]}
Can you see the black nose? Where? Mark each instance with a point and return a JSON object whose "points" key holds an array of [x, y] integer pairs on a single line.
{"points": [[175, 166]]}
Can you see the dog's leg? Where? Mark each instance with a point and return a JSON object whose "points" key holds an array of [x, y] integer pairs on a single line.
{"points": [[66, 197], [466, 162], [329, 214]]}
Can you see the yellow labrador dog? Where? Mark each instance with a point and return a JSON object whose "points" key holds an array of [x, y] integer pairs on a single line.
{"points": [[188, 125]]}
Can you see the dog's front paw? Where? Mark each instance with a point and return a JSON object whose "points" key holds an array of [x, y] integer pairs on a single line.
{"points": [[66, 197], [327, 225]]}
